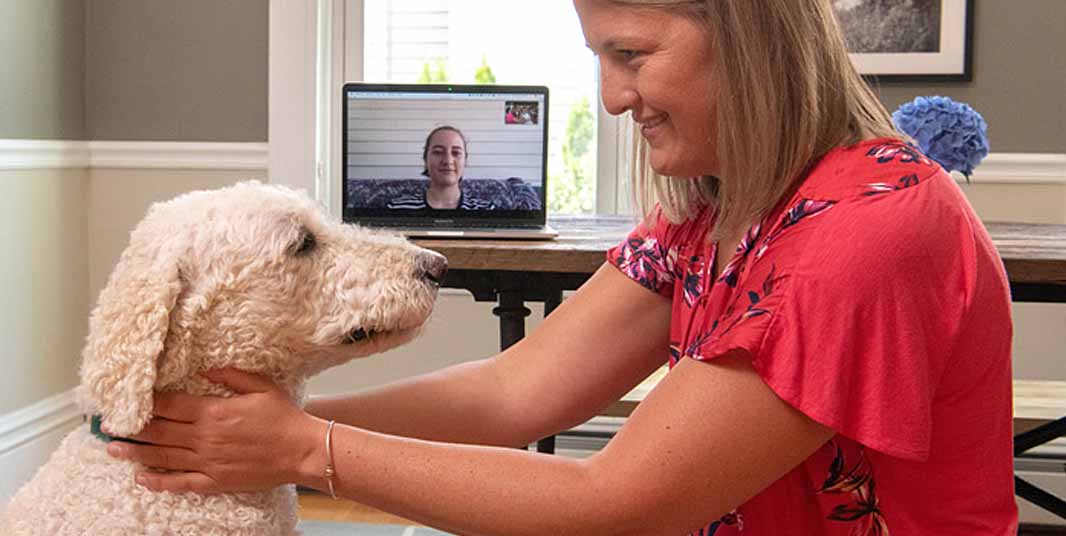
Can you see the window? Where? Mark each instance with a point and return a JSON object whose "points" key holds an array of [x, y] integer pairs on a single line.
{"points": [[510, 42]]}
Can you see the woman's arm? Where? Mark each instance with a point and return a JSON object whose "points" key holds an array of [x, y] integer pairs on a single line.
{"points": [[707, 438], [596, 346]]}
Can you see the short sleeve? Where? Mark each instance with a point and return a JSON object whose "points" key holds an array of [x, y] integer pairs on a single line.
{"points": [[853, 315], [648, 255]]}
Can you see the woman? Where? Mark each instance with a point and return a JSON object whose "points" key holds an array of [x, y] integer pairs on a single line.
{"points": [[835, 316], [444, 161]]}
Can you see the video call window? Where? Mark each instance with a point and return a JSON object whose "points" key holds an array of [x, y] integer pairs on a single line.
{"points": [[470, 152]]}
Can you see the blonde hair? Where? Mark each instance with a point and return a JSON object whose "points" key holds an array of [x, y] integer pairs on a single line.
{"points": [[787, 94]]}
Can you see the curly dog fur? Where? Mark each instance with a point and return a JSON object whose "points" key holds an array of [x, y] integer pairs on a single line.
{"points": [[252, 276]]}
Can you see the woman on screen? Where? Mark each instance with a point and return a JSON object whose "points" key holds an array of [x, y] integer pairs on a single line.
{"points": [[444, 161]]}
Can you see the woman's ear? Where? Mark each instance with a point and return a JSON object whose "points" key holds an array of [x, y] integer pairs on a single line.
{"points": [[128, 327]]}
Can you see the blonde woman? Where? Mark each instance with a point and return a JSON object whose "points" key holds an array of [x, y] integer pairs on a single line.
{"points": [[835, 316]]}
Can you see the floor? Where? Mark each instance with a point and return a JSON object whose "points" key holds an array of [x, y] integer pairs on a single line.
{"points": [[319, 507]]}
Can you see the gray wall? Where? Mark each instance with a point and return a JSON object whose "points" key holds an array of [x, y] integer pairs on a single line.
{"points": [[188, 70], [1019, 75], [42, 69]]}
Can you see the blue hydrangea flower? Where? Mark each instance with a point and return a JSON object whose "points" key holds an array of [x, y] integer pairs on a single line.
{"points": [[951, 133]]}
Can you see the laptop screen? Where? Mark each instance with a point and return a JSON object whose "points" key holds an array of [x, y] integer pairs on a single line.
{"points": [[444, 155]]}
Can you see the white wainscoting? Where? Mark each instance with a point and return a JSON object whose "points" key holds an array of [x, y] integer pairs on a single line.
{"points": [[29, 435]]}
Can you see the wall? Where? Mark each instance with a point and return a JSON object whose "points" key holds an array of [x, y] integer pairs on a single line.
{"points": [[42, 69], [1019, 75], [194, 70]]}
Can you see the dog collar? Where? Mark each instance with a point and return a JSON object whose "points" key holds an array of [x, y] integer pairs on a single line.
{"points": [[94, 427]]}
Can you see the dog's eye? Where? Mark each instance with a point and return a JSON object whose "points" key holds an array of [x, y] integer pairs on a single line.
{"points": [[306, 245]]}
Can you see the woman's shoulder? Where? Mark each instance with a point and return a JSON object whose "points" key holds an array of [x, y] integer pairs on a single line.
{"points": [[868, 168]]}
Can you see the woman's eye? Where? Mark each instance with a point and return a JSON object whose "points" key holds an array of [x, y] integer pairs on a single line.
{"points": [[306, 245]]}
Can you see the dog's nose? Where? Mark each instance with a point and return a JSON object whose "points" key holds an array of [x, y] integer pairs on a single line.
{"points": [[433, 266]]}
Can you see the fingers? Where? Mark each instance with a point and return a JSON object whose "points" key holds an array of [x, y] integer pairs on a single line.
{"points": [[170, 458], [180, 407], [177, 482], [240, 381], [164, 432]]}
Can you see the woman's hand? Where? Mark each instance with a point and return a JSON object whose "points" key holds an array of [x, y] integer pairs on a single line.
{"points": [[254, 440]]}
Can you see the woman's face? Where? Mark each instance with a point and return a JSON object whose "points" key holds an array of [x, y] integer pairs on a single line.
{"points": [[659, 65], [445, 158]]}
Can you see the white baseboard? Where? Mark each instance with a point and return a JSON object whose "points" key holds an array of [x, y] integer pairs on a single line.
{"points": [[29, 435], [49, 154]]}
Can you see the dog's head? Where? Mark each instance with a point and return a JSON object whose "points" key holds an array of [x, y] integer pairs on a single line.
{"points": [[251, 276]]}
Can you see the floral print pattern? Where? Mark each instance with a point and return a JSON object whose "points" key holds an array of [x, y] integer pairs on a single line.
{"points": [[715, 311], [806, 208], [897, 151], [883, 187], [732, 519], [858, 481], [732, 270], [647, 262]]}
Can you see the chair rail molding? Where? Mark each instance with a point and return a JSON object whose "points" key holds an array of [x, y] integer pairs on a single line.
{"points": [[178, 155], [1020, 168], [43, 154], [54, 154]]}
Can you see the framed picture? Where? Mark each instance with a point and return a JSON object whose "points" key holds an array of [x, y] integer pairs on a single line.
{"points": [[921, 40]]}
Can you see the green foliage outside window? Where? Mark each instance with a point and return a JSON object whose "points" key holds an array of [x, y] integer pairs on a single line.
{"points": [[437, 75], [573, 191], [484, 73]]}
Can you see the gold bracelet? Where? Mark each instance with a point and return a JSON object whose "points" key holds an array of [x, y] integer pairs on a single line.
{"points": [[329, 472]]}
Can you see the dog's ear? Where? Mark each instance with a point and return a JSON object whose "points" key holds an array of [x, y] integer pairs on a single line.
{"points": [[128, 328]]}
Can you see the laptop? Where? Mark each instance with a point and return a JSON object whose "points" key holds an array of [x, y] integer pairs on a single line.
{"points": [[447, 161]]}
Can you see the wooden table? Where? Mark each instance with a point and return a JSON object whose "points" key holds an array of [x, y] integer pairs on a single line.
{"points": [[511, 273]]}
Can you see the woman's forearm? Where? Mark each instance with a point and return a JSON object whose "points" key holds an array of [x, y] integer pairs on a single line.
{"points": [[459, 404], [465, 489]]}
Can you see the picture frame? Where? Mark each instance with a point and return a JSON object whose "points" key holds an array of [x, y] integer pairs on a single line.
{"points": [[916, 40]]}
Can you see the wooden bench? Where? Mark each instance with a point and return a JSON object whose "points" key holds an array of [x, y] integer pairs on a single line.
{"points": [[1037, 402]]}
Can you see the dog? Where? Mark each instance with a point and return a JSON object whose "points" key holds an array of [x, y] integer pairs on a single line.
{"points": [[252, 276]]}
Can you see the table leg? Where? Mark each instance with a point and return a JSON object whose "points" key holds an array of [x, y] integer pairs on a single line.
{"points": [[551, 301], [512, 312]]}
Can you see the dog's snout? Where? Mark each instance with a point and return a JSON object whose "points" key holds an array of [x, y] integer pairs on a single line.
{"points": [[432, 266]]}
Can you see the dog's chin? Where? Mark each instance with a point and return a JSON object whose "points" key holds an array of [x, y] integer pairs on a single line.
{"points": [[383, 340], [374, 343]]}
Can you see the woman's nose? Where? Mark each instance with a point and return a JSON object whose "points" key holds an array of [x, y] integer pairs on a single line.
{"points": [[618, 93]]}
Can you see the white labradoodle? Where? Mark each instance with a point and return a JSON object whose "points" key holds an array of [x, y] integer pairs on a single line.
{"points": [[251, 276]]}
